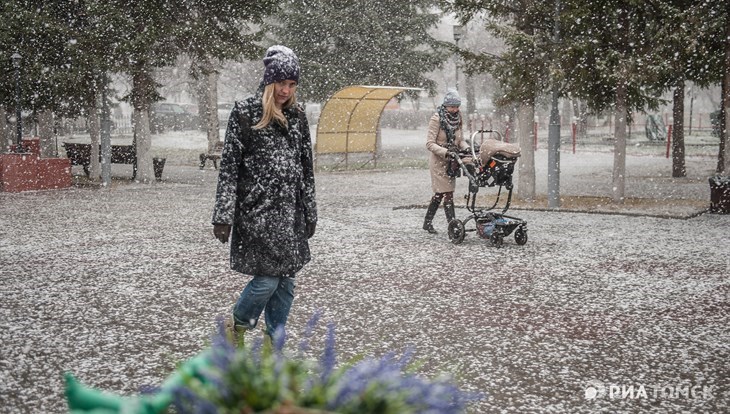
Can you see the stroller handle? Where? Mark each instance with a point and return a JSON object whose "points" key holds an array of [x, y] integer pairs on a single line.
{"points": [[481, 131]]}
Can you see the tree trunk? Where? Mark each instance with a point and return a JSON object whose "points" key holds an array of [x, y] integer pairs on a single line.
{"points": [[619, 149], [567, 115], [201, 93], [678, 167], [207, 90], [471, 102], [142, 86], [579, 111], [212, 124], [526, 165], [721, 122], [94, 120], [723, 159], [46, 135]]}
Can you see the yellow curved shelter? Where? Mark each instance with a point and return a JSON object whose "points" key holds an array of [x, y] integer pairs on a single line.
{"points": [[350, 118]]}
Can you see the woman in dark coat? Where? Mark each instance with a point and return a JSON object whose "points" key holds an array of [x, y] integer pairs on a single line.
{"points": [[265, 198]]}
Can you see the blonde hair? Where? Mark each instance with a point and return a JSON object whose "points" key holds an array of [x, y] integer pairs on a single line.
{"points": [[271, 112]]}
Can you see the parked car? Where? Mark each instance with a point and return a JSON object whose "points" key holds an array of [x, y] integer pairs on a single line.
{"points": [[166, 115], [194, 110]]}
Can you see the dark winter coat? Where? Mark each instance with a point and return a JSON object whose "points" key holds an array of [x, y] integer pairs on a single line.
{"points": [[266, 190]]}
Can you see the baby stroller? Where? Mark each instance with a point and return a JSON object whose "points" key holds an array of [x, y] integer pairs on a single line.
{"points": [[492, 164]]}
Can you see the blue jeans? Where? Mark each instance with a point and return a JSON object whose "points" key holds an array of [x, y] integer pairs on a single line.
{"points": [[273, 295]]}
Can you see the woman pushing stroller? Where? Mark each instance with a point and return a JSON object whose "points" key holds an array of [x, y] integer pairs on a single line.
{"points": [[445, 136]]}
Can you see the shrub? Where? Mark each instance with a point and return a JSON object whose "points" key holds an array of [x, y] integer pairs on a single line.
{"points": [[261, 379]]}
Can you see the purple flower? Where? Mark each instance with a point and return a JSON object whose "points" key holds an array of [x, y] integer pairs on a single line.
{"points": [[383, 380], [308, 332], [233, 379], [279, 339], [186, 401], [329, 357]]}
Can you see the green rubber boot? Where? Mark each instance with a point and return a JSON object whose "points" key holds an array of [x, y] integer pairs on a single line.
{"points": [[234, 333]]}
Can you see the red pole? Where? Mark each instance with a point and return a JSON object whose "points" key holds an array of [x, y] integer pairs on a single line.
{"points": [[574, 131], [669, 138], [534, 136]]}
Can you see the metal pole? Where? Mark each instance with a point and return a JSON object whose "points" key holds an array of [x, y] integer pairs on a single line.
{"points": [[106, 139], [691, 104], [456, 67], [458, 33], [18, 116], [554, 131]]}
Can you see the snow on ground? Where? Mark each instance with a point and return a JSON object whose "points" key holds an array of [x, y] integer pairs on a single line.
{"points": [[117, 286]]}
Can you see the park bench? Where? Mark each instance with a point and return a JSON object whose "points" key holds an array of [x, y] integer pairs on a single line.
{"points": [[214, 155], [80, 154]]}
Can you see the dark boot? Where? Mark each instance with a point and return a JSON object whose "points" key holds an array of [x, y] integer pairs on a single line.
{"points": [[449, 210], [430, 213]]}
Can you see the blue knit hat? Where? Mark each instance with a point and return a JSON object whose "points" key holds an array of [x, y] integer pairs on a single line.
{"points": [[281, 64], [452, 98]]}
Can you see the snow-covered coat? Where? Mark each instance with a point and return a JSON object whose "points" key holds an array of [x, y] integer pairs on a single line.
{"points": [[266, 190], [436, 143]]}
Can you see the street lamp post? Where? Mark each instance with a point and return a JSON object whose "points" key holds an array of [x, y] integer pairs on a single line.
{"points": [[19, 122], [458, 33]]}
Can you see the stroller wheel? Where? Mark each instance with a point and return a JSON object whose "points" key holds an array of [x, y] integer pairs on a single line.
{"points": [[520, 236], [456, 231], [497, 239]]}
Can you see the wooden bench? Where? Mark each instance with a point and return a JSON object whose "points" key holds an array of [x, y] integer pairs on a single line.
{"points": [[214, 156], [80, 154]]}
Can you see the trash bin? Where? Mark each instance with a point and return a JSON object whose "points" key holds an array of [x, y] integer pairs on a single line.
{"points": [[720, 194], [158, 164]]}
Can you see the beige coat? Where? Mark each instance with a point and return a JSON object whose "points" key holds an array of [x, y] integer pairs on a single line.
{"points": [[436, 143]]}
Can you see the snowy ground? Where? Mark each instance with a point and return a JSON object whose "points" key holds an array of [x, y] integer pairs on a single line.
{"points": [[119, 285]]}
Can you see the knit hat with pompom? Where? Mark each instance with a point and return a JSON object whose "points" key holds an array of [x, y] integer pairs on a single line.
{"points": [[452, 98], [280, 64]]}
